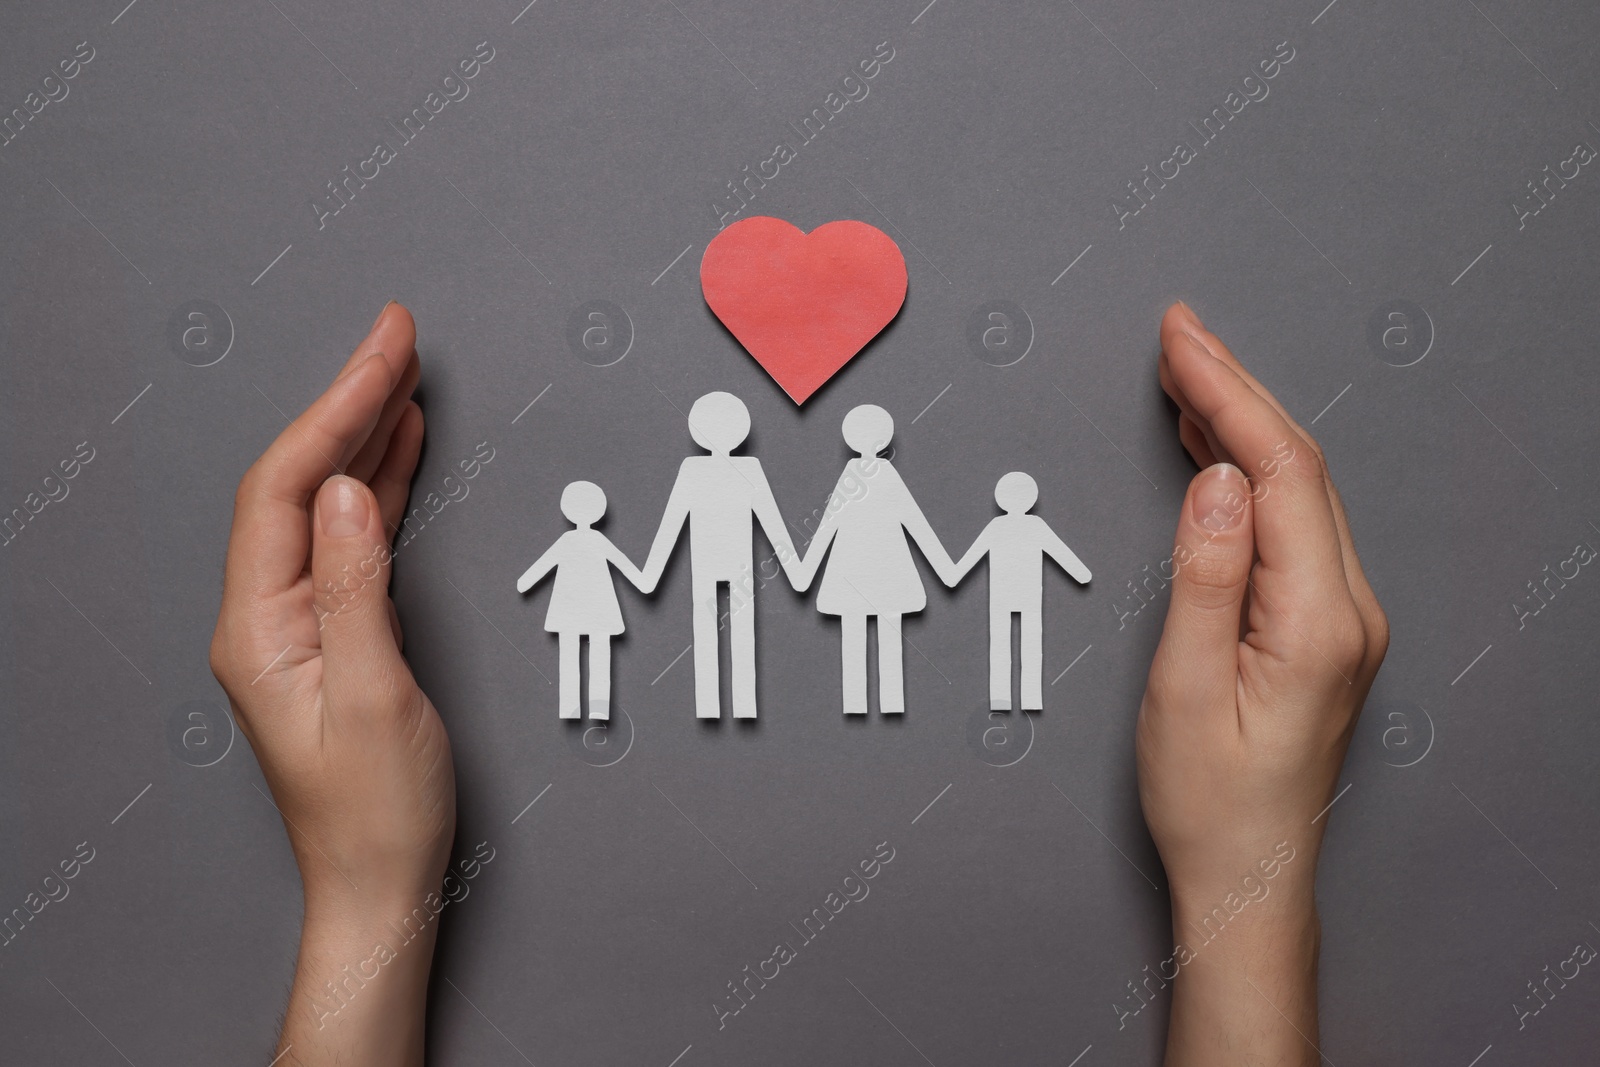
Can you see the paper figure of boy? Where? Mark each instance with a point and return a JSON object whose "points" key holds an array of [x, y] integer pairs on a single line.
{"points": [[584, 602], [1016, 544]]}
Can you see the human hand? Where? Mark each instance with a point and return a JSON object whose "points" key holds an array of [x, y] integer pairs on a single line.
{"points": [[1272, 640], [307, 646]]}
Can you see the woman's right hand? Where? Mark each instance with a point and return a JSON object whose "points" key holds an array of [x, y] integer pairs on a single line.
{"points": [[307, 646]]}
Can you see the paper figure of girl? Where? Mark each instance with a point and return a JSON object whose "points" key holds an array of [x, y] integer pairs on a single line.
{"points": [[584, 602], [870, 571]]}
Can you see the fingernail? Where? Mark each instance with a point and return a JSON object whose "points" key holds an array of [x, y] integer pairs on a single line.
{"points": [[1190, 312], [380, 317], [1219, 498], [343, 508]]}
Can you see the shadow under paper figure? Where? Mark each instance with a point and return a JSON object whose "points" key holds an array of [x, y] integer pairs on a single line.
{"points": [[584, 602]]}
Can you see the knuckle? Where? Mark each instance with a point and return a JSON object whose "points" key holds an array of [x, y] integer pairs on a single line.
{"points": [[1164, 687], [245, 490], [1378, 634], [1315, 448], [1344, 637], [1312, 473], [1296, 454], [249, 483], [1299, 440], [334, 595], [353, 584], [221, 667], [1211, 572], [224, 663]]}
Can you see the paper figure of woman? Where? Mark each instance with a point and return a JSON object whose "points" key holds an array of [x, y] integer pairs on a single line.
{"points": [[870, 570]]}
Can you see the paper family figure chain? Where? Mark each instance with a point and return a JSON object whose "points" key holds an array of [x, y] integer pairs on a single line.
{"points": [[861, 545]]}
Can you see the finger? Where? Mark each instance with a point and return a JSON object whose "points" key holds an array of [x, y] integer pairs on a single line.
{"points": [[1194, 439], [1180, 317], [371, 455], [1373, 620], [268, 547], [393, 335], [1295, 530], [391, 482], [350, 563], [1186, 407], [1215, 545], [1181, 314]]}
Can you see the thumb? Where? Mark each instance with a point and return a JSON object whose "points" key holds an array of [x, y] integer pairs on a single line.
{"points": [[350, 562], [1212, 557]]}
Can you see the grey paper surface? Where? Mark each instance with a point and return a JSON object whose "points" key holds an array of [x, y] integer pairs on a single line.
{"points": [[1378, 177]]}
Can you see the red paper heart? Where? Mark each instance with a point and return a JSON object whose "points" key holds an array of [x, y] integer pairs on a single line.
{"points": [[803, 304]]}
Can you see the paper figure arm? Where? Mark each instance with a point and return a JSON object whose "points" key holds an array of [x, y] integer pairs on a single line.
{"points": [[619, 560], [979, 549], [806, 569], [672, 521], [541, 567], [1065, 558], [772, 524], [916, 524]]}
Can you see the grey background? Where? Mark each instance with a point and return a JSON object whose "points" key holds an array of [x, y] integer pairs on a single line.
{"points": [[1381, 167]]}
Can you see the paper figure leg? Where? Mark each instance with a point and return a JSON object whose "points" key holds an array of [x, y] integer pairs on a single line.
{"points": [[707, 696], [600, 676], [1032, 661], [891, 682], [742, 647], [1000, 660], [853, 640], [571, 707]]}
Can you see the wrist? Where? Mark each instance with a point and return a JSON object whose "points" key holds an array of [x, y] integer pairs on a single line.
{"points": [[1244, 972], [1264, 880], [337, 901], [1277, 933], [360, 987], [352, 924]]}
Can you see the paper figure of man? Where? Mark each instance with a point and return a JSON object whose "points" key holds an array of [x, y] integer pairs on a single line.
{"points": [[1016, 544], [720, 496]]}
